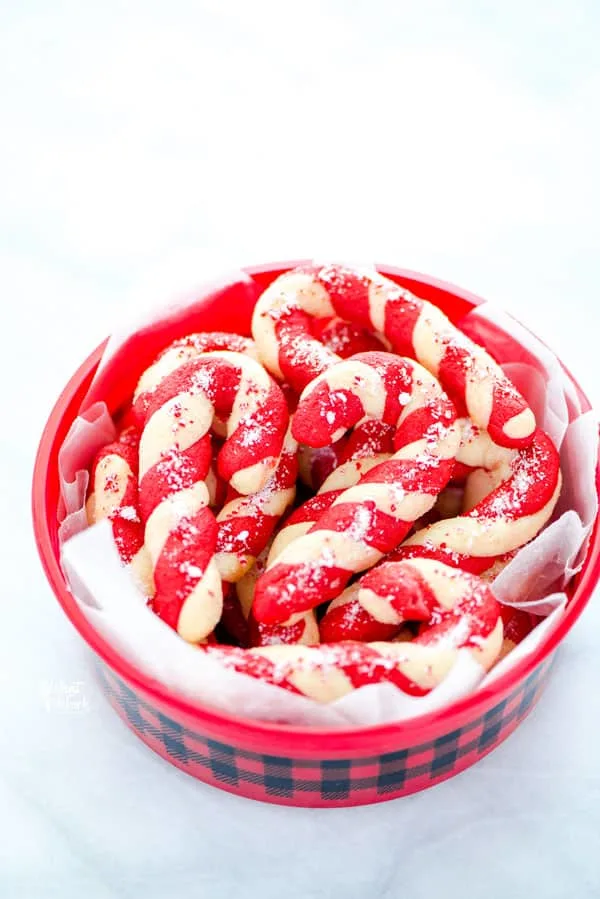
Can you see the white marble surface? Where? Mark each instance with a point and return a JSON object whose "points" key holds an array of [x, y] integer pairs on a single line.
{"points": [[459, 138]]}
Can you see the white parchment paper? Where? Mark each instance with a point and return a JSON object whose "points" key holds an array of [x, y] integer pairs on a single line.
{"points": [[534, 580]]}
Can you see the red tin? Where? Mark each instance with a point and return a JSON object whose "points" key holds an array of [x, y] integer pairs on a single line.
{"points": [[280, 763]]}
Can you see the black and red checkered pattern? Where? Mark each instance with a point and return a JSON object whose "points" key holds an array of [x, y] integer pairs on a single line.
{"points": [[322, 781]]}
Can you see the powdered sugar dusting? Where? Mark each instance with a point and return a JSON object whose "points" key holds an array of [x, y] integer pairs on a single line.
{"points": [[251, 434], [510, 496], [362, 523], [128, 513], [188, 532], [190, 570], [304, 352], [176, 469], [203, 381]]}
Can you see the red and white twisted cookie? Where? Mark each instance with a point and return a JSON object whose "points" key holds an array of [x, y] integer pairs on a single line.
{"points": [[481, 540], [480, 466], [114, 495], [509, 516], [459, 612], [175, 452], [281, 327], [347, 618], [370, 519], [180, 351]]}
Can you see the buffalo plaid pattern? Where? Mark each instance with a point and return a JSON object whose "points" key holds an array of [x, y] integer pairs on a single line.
{"points": [[322, 782]]}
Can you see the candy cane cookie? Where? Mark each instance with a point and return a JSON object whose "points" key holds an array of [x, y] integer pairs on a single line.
{"points": [[508, 517], [370, 519], [346, 618], [114, 495], [481, 541], [180, 530], [281, 327], [375, 607], [178, 352], [459, 613]]}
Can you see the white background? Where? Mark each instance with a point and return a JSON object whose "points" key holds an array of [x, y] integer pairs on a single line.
{"points": [[458, 138]]}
